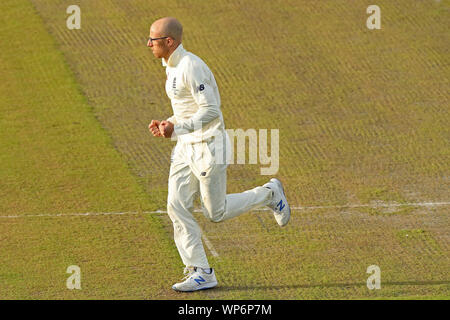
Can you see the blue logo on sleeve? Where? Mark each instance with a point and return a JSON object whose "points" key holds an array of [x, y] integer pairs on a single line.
{"points": [[202, 87]]}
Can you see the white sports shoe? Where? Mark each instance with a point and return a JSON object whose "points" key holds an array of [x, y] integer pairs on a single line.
{"points": [[279, 204], [196, 279]]}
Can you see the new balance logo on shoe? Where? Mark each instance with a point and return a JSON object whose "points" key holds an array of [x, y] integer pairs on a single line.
{"points": [[195, 281], [280, 205], [199, 280]]}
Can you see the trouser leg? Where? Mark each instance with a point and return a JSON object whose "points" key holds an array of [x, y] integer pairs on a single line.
{"points": [[183, 186], [217, 205]]}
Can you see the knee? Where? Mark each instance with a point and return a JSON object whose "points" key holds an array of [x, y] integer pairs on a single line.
{"points": [[214, 213], [177, 228], [175, 211], [216, 217], [173, 204]]}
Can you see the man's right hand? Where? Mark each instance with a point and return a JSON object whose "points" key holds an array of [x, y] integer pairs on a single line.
{"points": [[154, 128]]}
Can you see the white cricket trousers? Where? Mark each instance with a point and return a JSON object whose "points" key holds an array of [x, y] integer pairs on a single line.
{"points": [[194, 168]]}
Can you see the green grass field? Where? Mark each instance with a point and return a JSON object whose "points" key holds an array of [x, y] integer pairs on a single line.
{"points": [[363, 117]]}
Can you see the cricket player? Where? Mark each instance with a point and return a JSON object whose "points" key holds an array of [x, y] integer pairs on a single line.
{"points": [[198, 126]]}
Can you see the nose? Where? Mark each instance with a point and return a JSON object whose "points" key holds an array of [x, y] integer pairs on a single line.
{"points": [[149, 43]]}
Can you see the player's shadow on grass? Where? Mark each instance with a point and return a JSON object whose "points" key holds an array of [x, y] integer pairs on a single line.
{"points": [[328, 285]]}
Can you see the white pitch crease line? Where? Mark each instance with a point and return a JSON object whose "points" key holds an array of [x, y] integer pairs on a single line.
{"points": [[379, 205], [210, 246], [69, 214]]}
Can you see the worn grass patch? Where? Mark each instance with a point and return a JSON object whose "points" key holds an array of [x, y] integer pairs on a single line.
{"points": [[384, 211], [383, 194]]}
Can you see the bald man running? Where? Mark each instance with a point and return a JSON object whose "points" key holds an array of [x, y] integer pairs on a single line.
{"points": [[199, 159]]}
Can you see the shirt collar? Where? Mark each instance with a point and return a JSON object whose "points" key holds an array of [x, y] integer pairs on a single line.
{"points": [[175, 57]]}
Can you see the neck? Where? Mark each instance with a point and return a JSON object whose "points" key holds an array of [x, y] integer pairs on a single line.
{"points": [[169, 53]]}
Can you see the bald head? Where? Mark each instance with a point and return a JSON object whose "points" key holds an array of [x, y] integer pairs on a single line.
{"points": [[168, 27], [165, 36]]}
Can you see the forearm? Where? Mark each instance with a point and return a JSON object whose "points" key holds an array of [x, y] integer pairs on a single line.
{"points": [[201, 118]]}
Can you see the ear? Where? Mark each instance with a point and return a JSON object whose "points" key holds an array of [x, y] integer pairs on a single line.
{"points": [[170, 42]]}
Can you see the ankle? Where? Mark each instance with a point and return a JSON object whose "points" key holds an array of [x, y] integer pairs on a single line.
{"points": [[206, 270]]}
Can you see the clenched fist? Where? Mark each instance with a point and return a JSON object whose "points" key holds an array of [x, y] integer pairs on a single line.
{"points": [[166, 128], [153, 127]]}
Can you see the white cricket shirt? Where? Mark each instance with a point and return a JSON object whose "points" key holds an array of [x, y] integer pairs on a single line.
{"points": [[195, 98]]}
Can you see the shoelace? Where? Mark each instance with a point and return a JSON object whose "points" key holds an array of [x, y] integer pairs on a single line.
{"points": [[188, 272]]}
